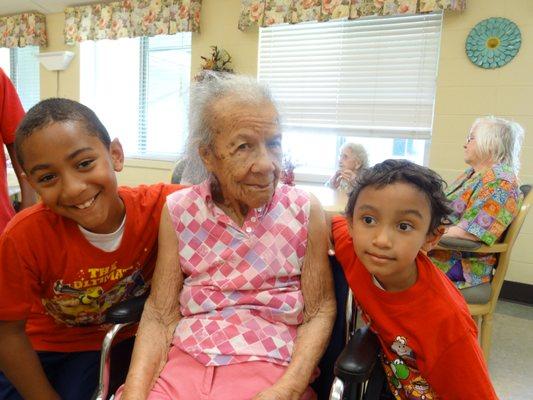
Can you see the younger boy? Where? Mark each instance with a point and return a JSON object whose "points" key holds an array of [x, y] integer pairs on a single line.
{"points": [[428, 338], [64, 262]]}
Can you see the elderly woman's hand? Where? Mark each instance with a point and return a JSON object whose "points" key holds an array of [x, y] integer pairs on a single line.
{"points": [[278, 392], [348, 175]]}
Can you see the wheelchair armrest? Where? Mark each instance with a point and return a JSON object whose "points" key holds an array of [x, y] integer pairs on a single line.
{"points": [[127, 311], [459, 244], [358, 358]]}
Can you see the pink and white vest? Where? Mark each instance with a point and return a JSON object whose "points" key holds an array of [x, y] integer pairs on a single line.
{"points": [[241, 299]]}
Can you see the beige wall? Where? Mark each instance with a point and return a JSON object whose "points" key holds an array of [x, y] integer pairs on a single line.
{"points": [[218, 26], [68, 79], [463, 91]]}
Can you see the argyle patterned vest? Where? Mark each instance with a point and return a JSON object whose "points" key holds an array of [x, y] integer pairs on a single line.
{"points": [[241, 298]]}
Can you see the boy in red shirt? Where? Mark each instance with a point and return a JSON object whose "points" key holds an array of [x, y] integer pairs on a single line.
{"points": [[64, 262], [428, 338]]}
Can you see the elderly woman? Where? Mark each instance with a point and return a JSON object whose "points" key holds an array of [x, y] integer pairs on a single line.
{"points": [[242, 304], [352, 160], [485, 198]]}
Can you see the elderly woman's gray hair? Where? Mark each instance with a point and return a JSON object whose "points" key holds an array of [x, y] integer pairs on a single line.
{"points": [[204, 94], [359, 152], [499, 140]]}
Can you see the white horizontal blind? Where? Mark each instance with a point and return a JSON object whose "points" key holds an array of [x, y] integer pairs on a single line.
{"points": [[25, 75], [368, 77], [22, 66]]}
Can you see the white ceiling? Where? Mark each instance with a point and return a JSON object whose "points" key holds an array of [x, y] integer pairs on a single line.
{"points": [[44, 6]]}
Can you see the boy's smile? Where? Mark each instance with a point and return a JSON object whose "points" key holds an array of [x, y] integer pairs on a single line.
{"points": [[390, 225], [74, 173]]}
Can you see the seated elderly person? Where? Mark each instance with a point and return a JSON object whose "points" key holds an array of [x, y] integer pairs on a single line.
{"points": [[242, 301], [352, 160], [484, 199]]}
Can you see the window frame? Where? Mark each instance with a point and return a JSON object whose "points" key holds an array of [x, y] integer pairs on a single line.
{"points": [[142, 133]]}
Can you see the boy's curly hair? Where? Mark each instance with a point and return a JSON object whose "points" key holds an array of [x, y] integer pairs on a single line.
{"points": [[424, 179]]}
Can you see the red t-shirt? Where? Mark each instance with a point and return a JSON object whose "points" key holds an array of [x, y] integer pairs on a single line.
{"points": [[11, 113], [428, 337], [51, 276]]}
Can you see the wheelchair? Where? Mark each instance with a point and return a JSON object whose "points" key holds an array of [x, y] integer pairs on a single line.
{"points": [[129, 312]]}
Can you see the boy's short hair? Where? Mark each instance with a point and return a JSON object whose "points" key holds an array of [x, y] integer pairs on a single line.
{"points": [[58, 110], [424, 179]]}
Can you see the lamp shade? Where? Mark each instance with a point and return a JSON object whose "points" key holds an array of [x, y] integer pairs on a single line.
{"points": [[55, 60]]}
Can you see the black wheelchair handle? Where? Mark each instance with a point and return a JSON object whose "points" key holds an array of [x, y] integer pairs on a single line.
{"points": [[127, 311], [355, 363]]}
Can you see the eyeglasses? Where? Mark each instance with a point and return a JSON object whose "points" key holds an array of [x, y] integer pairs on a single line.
{"points": [[469, 138]]}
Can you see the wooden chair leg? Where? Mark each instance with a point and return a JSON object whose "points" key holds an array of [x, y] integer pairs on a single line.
{"points": [[486, 335]]}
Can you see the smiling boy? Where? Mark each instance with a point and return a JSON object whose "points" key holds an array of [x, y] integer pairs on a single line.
{"points": [[428, 338], [89, 245]]}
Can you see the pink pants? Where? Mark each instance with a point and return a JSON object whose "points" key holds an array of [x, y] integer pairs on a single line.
{"points": [[184, 378]]}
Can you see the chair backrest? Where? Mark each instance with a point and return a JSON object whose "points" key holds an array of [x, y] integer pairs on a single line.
{"points": [[510, 238], [177, 172]]}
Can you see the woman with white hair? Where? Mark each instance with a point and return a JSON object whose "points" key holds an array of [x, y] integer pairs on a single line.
{"points": [[484, 199], [352, 160], [242, 302]]}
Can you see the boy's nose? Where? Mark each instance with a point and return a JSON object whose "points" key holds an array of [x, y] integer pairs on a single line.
{"points": [[72, 188], [382, 239]]}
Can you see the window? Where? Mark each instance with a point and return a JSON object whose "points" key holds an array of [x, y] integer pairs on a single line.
{"points": [[22, 66], [139, 88], [370, 81]]}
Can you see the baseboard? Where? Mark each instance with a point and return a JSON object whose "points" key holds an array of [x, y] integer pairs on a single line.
{"points": [[517, 291]]}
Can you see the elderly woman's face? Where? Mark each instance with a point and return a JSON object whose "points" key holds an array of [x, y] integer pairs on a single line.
{"points": [[348, 160], [246, 152], [472, 156]]}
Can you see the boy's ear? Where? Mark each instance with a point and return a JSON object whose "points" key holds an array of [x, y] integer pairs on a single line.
{"points": [[433, 238], [117, 155]]}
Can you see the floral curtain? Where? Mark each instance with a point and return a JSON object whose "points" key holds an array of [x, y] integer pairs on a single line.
{"points": [[131, 18], [20, 30], [270, 12]]}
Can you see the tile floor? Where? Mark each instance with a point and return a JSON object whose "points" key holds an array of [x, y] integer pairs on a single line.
{"points": [[511, 358]]}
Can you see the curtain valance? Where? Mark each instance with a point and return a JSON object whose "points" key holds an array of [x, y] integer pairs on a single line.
{"points": [[270, 12], [131, 18], [20, 30]]}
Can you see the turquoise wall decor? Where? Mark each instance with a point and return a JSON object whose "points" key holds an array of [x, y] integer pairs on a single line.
{"points": [[493, 42]]}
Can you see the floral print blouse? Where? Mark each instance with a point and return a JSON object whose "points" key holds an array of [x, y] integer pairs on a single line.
{"points": [[484, 204]]}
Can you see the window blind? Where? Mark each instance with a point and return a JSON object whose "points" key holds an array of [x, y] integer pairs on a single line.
{"points": [[369, 77], [25, 74]]}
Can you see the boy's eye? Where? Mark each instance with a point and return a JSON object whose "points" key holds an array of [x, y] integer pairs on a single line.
{"points": [[85, 164], [46, 178], [404, 226], [368, 220]]}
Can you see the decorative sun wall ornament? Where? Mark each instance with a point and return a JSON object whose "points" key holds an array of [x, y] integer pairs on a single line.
{"points": [[493, 42]]}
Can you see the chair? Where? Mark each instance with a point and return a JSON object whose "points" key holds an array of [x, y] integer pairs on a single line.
{"points": [[121, 315], [177, 172], [129, 312], [482, 299]]}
